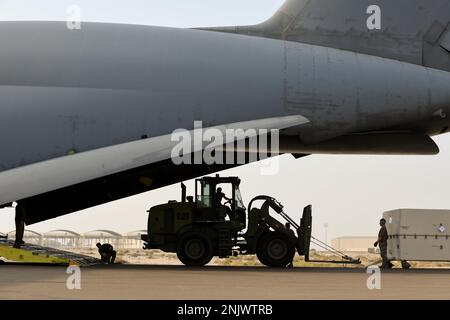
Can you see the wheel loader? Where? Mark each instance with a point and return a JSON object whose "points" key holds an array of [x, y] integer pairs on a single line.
{"points": [[197, 229]]}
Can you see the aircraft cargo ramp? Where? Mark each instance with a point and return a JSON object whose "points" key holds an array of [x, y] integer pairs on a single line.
{"points": [[35, 254]]}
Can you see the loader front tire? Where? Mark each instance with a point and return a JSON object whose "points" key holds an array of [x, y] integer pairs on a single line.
{"points": [[275, 249], [195, 250]]}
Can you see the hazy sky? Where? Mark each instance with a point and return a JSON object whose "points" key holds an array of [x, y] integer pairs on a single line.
{"points": [[349, 193], [173, 13]]}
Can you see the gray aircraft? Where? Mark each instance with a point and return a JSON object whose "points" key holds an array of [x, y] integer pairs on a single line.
{"points": [[87, 114]]}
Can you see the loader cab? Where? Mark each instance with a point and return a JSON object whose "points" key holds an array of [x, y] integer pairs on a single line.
{"points": [[206, 197]]}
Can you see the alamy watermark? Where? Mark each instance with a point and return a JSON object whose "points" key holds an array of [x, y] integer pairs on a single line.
{"points": [[73, 18], [374, 280], [229, 146], [374, 20], [73, 281]]}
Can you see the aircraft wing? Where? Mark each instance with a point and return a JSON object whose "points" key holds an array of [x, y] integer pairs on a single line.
{"points": [[54, 174]]}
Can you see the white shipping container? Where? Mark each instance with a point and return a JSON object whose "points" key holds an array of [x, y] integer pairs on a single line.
{"points": [[418, 235]]}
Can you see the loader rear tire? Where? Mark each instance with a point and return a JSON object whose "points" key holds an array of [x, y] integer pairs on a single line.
{"points": [[195, 250], [276, 250]]}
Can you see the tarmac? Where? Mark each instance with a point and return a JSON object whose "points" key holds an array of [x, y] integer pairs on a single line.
{"points": [[139, 282]]}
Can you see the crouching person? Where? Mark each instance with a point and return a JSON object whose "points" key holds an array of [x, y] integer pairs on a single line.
{"points": [[107, 253]]}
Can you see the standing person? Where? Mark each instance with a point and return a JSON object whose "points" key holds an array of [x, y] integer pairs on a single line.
{"points": [[20, 225], [107, 252], [382, 243]]}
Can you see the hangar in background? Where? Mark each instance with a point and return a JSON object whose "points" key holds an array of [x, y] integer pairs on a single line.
{"points": [[354, 244], [67, 239]]}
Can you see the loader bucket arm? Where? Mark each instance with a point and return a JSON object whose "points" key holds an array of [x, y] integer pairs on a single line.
{"points": [[263, 214]]}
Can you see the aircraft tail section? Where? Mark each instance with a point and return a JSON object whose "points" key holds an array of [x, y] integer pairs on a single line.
{"points": [[415, 31]]}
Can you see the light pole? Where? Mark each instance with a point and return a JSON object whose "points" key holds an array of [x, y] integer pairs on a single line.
{"points": [[325, 226]]}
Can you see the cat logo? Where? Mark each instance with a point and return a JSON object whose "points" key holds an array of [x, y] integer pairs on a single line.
{"points": [[183, 215]]}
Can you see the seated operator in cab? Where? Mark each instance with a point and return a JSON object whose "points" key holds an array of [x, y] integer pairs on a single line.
{"points": [[219, 197]]}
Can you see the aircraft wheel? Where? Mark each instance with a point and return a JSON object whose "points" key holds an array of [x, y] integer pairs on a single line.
{"points": [[276, 250], [195, 250]]}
